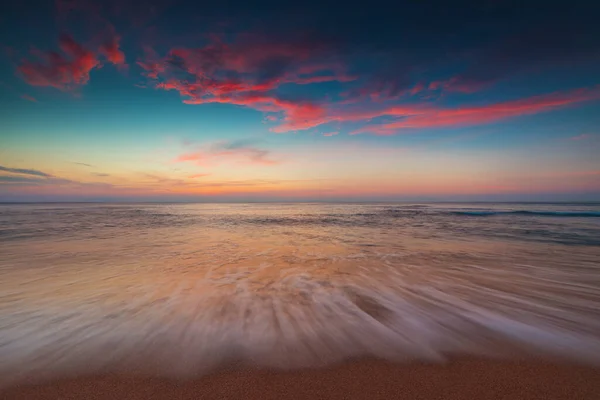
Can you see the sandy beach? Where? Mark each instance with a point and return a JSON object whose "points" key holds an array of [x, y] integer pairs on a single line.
{"points": [[365, 379]]}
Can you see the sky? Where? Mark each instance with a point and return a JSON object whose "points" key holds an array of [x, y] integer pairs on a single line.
{"points": [[173, 100]]}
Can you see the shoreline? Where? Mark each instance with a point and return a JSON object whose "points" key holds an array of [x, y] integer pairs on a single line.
{"points": [[460, 378]]}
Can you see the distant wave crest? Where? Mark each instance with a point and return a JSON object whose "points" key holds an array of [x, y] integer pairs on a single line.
{"points": [[580, 214]]}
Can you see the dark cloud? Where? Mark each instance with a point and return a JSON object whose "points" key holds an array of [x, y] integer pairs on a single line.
{"points": [[25, 171], [33, 177], [31, 180]]}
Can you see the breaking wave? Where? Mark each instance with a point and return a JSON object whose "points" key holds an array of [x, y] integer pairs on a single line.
{"points": [[579, 214]]}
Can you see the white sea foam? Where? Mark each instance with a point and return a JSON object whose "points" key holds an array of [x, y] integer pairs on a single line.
{"points": [[188, 300]]}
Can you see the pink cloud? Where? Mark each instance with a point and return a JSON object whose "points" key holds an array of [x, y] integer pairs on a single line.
{"points": [[460, 85], [110, 49], [331, 133], [151, 63], [29, 98], [250, 71], [464, 116], [71, 67], [244, 151], [419, 87], [247, 73], [583, 136], [383, 88], [61, 71]]}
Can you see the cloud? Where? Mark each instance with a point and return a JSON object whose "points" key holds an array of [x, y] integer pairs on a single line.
{"points": [[248, 72], [461, 84], [112, 52], [383, 85], [151, 63], [26, 177], [434, 117], [70, 68], [298, 115], [60, 71], [100, 174], [415, 57], [331, 133], [29, 98], [32, 180], [25, 171], [237, 150], [84, 164], [160, 181], [583, 136]]}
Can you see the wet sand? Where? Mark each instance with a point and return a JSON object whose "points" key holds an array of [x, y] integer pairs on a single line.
{"points": [[473, 379]]}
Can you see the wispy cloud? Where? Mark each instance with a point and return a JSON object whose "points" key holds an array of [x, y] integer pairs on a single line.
{"points": [[244, 150], [331, 133], [583, 136], [29, 98], [435, 117], [160, 181], [100, 174], [33, 180], [25, 171], [32, 177], [84, 164]]}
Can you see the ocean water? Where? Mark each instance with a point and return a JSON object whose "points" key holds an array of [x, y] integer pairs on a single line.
{"points": [[181, 289]]}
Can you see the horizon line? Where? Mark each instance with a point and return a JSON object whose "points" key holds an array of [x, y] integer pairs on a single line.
{"points": [[297, 201]]}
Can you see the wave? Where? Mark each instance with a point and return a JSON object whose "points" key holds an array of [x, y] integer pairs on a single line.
{"points": [[295, 318], [579, 214]]}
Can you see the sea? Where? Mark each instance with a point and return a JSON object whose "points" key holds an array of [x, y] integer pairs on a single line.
{"points": [[179, 290]]}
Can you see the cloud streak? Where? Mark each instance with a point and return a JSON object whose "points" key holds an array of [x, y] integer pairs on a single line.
{"points": [[583, 136], [432, 117], [32, 180], [244, 151], [25, 171], [29, 98]]}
